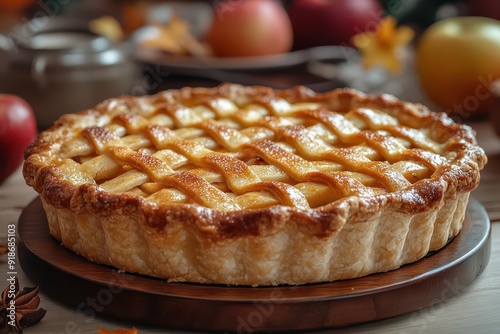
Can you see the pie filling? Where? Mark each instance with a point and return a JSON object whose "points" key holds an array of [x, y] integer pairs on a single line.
{"points": [[254, 186]]}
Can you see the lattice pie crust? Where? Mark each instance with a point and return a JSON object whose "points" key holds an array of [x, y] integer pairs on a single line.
{"points": [[253, 186]]}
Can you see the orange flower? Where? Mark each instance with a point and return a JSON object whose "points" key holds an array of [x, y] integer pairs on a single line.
{"points": [[380, 47]]}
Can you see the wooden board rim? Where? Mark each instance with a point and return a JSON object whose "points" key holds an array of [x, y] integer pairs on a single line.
{"points": [[465, 257]]}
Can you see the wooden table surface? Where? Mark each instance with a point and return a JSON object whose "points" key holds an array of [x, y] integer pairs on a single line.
{"points": [[474, 310]]}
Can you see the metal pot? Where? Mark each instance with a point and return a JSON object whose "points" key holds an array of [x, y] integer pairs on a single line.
{"points": [[59, 66]]}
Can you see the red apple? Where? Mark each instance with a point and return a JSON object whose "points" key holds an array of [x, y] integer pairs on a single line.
{"points": [[249, 28], [331, 22], [17, 130]]}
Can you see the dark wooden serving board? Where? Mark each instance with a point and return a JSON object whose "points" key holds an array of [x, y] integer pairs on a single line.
{"points": [[142, 299]]}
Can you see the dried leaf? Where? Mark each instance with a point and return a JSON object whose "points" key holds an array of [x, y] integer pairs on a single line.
{"points": [[3, 249], [133, 330]]}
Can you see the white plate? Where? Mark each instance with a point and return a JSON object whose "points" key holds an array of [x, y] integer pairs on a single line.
{"points": [[321, 53]]}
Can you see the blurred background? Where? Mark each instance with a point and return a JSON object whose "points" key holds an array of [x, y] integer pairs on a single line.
{"points": [[62, 56]]}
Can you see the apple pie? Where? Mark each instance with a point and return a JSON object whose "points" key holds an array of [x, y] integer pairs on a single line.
{"points": [[253, 186]]}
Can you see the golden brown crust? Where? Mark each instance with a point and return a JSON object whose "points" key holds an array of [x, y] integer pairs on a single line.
{"points": [[236, 166]]}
